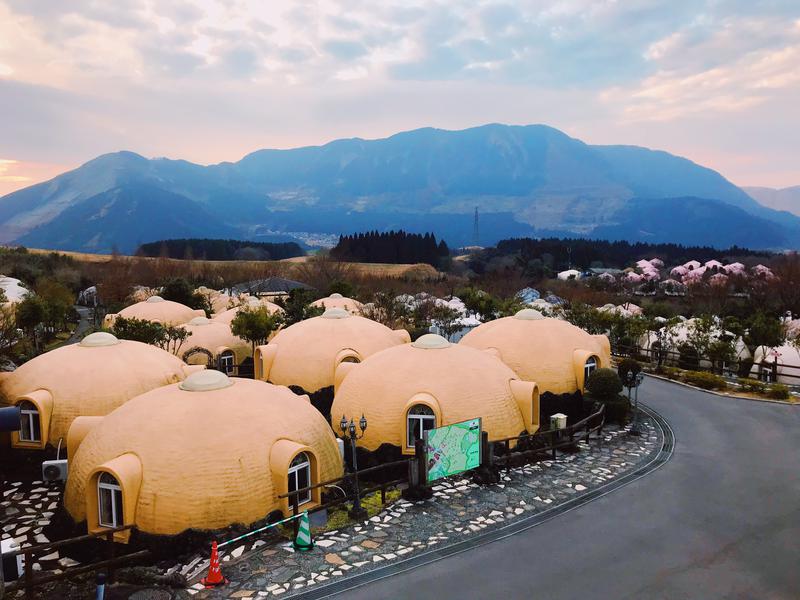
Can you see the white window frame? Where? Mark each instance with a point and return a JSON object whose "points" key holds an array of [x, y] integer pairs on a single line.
{"points": [[589, 367], [29, 409], [227, 361], [421, 418], [294, 469], [115, 490]]}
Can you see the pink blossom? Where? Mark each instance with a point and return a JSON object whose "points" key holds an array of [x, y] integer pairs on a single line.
{"points": [[634, 277], [678, 271]]}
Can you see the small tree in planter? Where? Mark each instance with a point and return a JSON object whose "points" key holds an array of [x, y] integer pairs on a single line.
{"points": [[604, 385]]}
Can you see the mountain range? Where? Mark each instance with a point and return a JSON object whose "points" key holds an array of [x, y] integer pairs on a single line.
{"points": [[787, 199], [524, 180]]}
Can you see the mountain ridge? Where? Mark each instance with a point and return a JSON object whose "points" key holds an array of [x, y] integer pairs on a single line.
{"points": [[523, 179], [783, 199]]}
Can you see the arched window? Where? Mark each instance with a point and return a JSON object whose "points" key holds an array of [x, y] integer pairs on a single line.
{"points": [[30, 429], [109, 501], [300, 477], [227, 362], [420, 418], [588, 368]]}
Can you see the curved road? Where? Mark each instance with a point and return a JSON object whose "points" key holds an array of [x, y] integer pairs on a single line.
{"points": [[721, 519]]}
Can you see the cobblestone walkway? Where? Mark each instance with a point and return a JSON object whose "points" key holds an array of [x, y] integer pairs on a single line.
{"points": [[28, 509], [403, 529]]}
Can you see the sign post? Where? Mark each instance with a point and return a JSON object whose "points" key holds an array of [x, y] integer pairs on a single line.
{"points": [[453, 449]]}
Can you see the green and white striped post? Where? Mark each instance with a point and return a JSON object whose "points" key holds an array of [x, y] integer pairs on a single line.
{"points": [[303, 541]]}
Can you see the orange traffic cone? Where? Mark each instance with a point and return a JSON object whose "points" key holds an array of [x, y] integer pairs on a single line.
{"points": [[214, 577]]}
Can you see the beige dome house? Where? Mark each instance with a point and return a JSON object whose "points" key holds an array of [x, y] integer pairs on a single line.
{"points": [[211, 343], [92, 377], [220, 301], [203, 454], [158, 310], [305, 355], [227, 316], [555, 354], [338, 301], [409, 389]]}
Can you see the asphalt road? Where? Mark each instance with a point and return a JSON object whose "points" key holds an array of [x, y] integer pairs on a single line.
{"points": [[720, 520]]}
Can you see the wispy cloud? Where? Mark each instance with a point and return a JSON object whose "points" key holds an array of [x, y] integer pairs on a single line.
{"points": [[212, 79]]}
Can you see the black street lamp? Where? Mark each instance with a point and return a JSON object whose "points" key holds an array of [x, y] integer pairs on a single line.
{"points": [[349, 432], [634, 380]]}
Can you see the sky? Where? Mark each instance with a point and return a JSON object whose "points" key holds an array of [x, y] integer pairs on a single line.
{"points": [[716, 81]]}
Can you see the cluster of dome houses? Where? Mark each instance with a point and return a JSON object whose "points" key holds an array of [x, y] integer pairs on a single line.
{"points": [[675, 281], [167, 446]]}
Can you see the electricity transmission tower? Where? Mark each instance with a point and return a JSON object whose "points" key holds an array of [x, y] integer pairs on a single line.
{"points": [[475, 230]]}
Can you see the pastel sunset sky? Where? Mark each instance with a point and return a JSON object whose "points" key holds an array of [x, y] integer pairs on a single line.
{"points": [[717, 81]]}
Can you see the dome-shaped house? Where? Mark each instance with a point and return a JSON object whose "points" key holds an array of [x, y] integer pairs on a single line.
{"points": [[92, 377], [338, 301], [305, 355], [227, 316], [406, 390], [671, 337], [211, 343], [555, 354], [219, 301], [158, 310], [777, 365], [203, 454]]}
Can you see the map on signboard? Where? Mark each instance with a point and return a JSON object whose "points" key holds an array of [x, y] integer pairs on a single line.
{"points": [[453, 448]]}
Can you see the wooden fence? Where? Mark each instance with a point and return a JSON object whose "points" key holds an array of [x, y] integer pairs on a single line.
{"points": [[29, 580]]}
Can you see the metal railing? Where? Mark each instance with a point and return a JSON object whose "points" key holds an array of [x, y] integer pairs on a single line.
{"points": [[551, 440], [381, 487], [544, 441], [28, 581]]}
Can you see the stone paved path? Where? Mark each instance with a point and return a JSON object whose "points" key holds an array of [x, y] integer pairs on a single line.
{"points": [[458, 509], [28, 509]]}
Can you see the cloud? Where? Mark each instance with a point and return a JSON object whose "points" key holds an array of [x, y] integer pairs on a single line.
{"points": [[163, 78], [725, 69]]}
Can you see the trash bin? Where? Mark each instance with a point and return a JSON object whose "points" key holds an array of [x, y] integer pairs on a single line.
{"points": [[558, 421], [12, 565]]}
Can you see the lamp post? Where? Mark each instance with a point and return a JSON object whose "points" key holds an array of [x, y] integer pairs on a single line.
{"points": [[349, 432], [634, 380]]}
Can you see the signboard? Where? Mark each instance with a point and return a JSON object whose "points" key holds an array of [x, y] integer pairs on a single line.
{"points": [[453, 449]]}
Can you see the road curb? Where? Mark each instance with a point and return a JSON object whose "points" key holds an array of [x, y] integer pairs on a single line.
{"points": [[659, 459]]}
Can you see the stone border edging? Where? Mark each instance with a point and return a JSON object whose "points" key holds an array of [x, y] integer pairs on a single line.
{"points": [[347, 583], [721, 394]]}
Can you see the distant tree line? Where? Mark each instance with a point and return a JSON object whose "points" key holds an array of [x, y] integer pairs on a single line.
{"points": [[584, 253], [208, 249], [396, 247]]}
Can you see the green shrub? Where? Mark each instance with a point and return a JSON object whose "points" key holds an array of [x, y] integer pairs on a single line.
{"points": [[618, 409], [753, 386], [604, 384], [778, 391], [669, 372], [625, 366], [688, 358], [706, 381]]}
